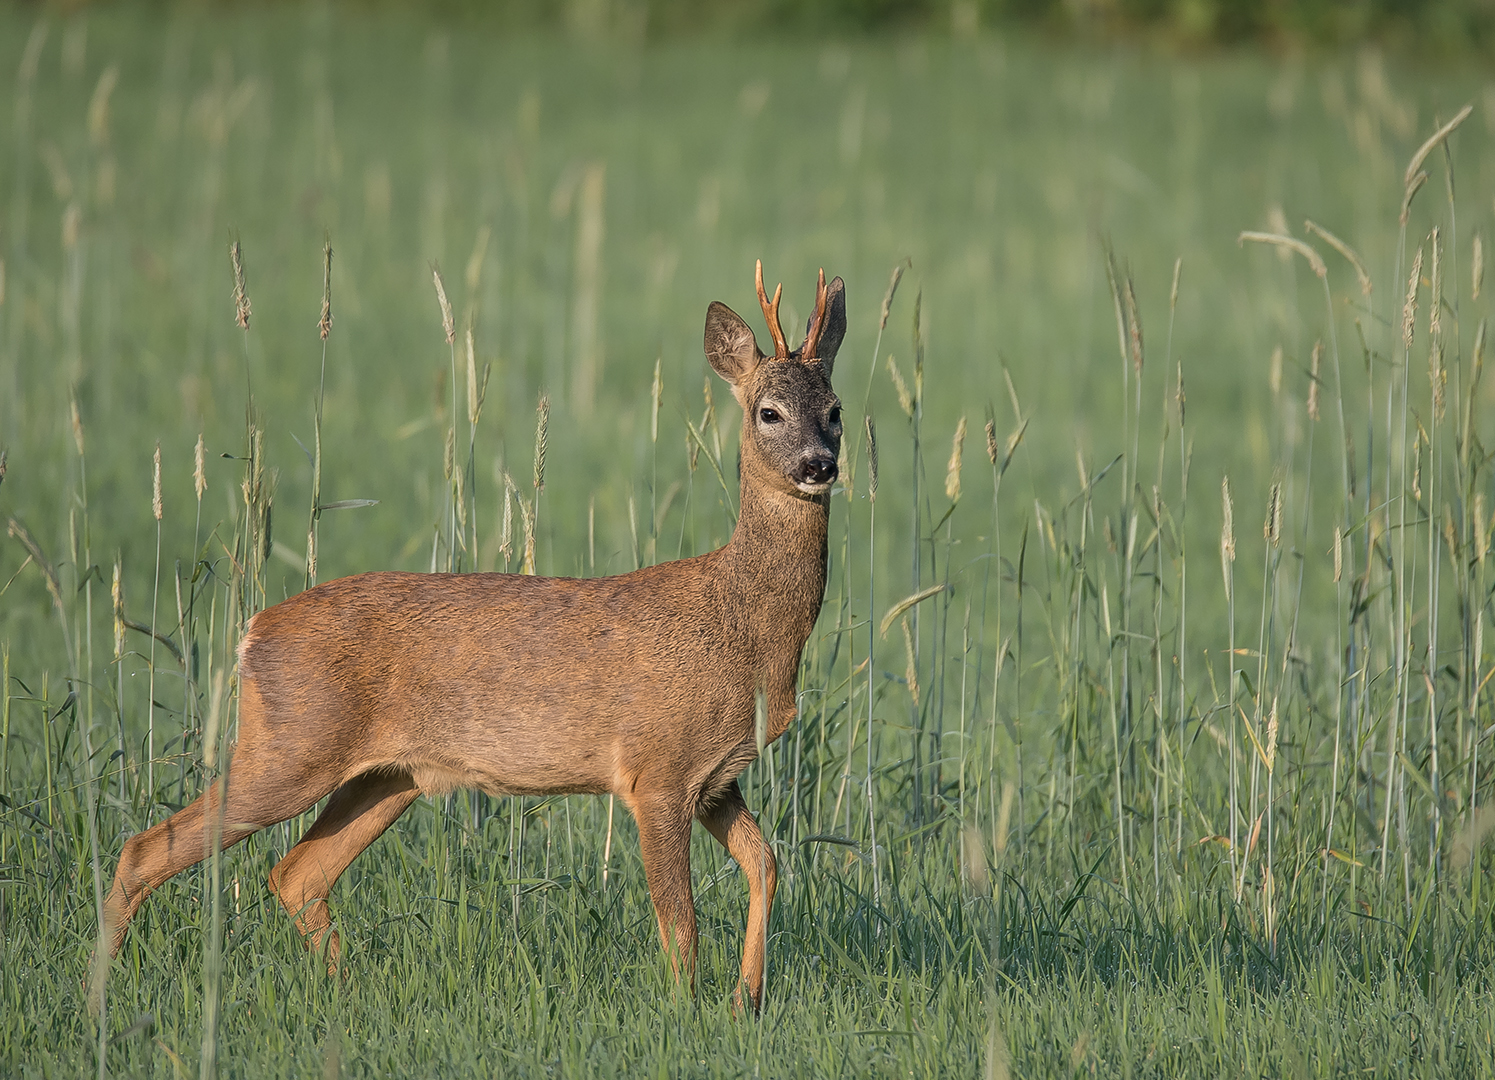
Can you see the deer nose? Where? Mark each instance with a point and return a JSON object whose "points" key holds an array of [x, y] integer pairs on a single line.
{"points": [[817, 470]]}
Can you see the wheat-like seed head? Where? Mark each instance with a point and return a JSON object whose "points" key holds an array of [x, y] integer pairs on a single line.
{"points": [[473, 399], [1477, 271], [1338, 554], [77, 419], [1272, 529], [1409, 306], [117, 594], [1133, 327], [324, 324], [241, 291], [506, 538], [992, 446], [911, 673], [1345, 250], [887, 300], [1274, 371], [1271, 748], [542, 437], [1227, 528], [656, 399], [905, 399], [952, 470], [448, 324], [156, 484], [871, 459], [199, 468]]}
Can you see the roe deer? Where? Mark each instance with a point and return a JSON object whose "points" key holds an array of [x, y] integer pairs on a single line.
{"points": [[383, 686]]}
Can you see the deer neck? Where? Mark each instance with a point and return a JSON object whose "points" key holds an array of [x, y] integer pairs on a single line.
{"points": [[778, 551]]}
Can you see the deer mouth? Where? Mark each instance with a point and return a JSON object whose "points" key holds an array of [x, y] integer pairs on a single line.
{"points": [[815, 475]]}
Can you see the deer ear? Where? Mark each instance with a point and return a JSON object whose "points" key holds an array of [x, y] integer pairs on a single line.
{"points": [[835, 323], [730, 345]]}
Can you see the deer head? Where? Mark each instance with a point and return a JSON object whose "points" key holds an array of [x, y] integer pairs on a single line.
{"points": [[791, 418]]}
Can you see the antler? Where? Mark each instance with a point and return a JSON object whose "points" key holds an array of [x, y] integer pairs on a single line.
{"points": [[771, 313], [817, 324]]}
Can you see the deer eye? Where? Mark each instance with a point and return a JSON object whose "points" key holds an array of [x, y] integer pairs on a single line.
{"points": [[836, 415], [769, 416]]}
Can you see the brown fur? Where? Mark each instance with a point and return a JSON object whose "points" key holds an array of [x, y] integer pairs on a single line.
{"points": [[380, 687]]}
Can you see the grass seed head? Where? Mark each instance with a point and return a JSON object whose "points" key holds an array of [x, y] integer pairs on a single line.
{"points": [[992, 446], [1133, 327], [871, 458], [905, 399], [542, 437], [199, 468], [241, 291], [324, 324], [156, 484], [1409, 306], [887, 300], [117, 594], [77, 420], [1477, 272], [656, 399], [952, 470], [1274, 371], [448, 324], [1272, 527], [1338, 554]]}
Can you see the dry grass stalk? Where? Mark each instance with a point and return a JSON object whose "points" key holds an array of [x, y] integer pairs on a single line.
{"points": [[991, 441], [952, 470], [1344, 249], [1313, 380], [1178, 265], [1409, 194], [905, 399], [1433, 140], [324, 324], [1290, 243], [448, 324], [241, 291], [871, 459], [199, 468]]}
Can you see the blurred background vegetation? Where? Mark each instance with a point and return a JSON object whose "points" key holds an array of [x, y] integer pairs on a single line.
{"points": [[1423, 25]]}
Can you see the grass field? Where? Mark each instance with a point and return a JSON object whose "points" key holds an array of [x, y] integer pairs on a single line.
{"points": [[1185, 772]]}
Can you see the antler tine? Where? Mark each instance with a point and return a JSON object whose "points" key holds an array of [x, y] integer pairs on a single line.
{"points": [[771, 314], [817, 324]]}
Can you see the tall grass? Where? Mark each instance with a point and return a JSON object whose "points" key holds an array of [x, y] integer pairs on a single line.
{"points": [[1051, 803]]}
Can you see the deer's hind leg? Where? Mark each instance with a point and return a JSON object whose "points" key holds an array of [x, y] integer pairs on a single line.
{"points": [[732, 823], [259, 795], [355, 816]]}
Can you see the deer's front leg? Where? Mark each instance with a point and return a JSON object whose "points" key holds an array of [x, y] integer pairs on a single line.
{"points": [[664, 836], [732, 823]]}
